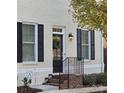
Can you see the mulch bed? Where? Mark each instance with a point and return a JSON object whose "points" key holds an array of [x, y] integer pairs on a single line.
{"points": [[23, 89]]}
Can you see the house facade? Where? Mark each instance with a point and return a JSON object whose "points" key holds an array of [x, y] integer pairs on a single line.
{"points": [[46, 33]]}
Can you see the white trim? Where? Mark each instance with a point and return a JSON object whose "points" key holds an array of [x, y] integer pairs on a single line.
{"points": [[102, 53], [89, 45], [29, 62], [28, 42], [58, 33], [64, 43], [35, 43]]}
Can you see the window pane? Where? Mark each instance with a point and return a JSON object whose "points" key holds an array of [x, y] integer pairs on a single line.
{"points": [[28, 32], [84, 37], [85, 52], [57, 30], [28, 52]]}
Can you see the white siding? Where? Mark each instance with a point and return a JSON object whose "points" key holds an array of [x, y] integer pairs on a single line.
{"points": [[50, 13]]}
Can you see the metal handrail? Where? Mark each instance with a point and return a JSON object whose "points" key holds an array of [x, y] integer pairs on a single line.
{"points": [[65, 59], [80, 67]]}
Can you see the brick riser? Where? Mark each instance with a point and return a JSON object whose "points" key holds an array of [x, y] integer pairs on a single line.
{"points": [[55, 80], [74, 81]]}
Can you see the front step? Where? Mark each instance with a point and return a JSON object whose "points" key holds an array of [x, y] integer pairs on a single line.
{"points": [[62, 81], [63, 77], [53, 84], [55, 80]]}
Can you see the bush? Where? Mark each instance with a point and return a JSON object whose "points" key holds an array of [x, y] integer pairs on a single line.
{"points": [[95, 79], [101, 79], [90, 79], [26, 81]]}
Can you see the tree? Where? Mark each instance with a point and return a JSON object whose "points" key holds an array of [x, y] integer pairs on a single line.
{"points": [[90, 14]]}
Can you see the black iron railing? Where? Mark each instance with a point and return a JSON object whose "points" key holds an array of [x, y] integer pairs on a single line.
{"points": [[73, 73]]}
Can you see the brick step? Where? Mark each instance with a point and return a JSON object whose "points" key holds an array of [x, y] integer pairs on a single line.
{"points": [[63, 77], [62, 80], [55, 81], [53, 84]]}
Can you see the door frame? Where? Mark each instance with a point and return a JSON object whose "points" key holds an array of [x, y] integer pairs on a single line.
{"points": [[63, 39]]}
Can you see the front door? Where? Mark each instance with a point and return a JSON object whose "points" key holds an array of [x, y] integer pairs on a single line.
{"points": [[57, 53]]}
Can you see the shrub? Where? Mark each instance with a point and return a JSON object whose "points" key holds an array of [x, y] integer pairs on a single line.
{"points": [[95, 79], [101, 79], [26, 81], [90, 79]]}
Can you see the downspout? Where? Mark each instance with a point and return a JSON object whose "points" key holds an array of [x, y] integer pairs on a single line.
{"points": [[102, 53]]}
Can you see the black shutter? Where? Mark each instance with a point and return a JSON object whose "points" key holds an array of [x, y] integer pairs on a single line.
{"points": [[19, 42], [79, 48], [92, 37], [40, 42]]}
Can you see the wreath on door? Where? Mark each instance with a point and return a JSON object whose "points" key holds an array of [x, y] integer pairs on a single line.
{"points": [[56, 41]]}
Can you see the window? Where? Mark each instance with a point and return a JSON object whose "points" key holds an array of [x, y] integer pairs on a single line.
{"points": [[85, 44], [28, 42]]}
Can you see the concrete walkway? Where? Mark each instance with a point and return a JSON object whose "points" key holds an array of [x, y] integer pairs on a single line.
{"points": [[78, 90], [46, 87]]}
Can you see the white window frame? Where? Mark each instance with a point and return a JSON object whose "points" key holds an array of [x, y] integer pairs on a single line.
{"points": [[35, 44], [89, 46]]}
